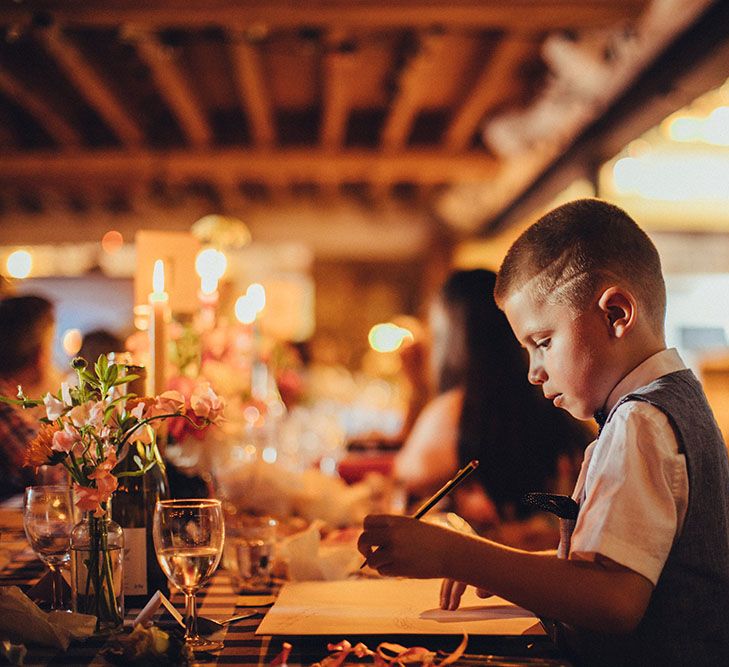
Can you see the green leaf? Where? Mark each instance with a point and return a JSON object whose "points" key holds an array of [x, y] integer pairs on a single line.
{"points": [[101, 366], [87, 377], [112, 375], [126, 378]]}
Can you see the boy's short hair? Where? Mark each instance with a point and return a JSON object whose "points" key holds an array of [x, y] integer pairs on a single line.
{"points": [[574, 249], [24, 321]]}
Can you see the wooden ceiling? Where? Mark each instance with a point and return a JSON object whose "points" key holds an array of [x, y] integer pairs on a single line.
{"points": [[133, 105]]}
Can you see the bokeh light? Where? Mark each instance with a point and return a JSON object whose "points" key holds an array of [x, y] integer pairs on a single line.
{"points": [[19, 264], [72, 340], [388, 337], [257, 294], [245, 310], [112, 242]]}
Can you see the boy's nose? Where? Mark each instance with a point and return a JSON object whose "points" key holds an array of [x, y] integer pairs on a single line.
{"points": [[537, 375]]}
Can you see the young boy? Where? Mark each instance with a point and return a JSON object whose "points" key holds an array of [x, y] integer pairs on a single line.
{"points": [[642, 575]]}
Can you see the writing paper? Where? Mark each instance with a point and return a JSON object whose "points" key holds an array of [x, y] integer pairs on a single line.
{"points": [[389, 606]]}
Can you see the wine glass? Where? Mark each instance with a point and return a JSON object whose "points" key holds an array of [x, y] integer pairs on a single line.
{"points": [[48, 520], [188, 538]]}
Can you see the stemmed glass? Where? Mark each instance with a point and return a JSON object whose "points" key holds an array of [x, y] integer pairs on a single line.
{"points": [[48, 520], [188, 539]]}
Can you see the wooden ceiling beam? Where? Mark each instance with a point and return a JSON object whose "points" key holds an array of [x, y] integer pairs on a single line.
{"points": [[91, 86], [416, 76], [252, 89], [290, 165], [516, 15], [492, 87], [174, 87], [339, 64], [57, 127]]}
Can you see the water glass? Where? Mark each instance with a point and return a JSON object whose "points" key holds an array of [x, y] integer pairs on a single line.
{"points": [[249, 551], [48, 521], [188, 539]]}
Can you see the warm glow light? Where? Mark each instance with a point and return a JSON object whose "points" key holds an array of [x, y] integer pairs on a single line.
{"points": [[158, 277], [19, 264], [112, 242], [211, 263], [257, 294], [245, 310], [72, 340], [716, 127], [673, 175], [712, 129], [387, 337]]}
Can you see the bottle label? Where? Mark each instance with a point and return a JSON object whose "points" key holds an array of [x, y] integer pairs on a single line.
{"points": [[135, 561]]}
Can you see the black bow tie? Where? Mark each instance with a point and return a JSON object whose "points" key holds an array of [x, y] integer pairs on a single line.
{"points": [[600, 417]]}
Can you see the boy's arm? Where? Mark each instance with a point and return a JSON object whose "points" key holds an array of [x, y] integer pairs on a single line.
{"points": [[599, 596]]}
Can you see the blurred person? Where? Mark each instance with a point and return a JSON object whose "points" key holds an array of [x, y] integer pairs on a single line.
{"points": [[27, 326], [486, 409], [98, 342]]}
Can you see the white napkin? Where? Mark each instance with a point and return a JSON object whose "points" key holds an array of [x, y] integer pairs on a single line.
{"points": [[22, 622], [309, 559]]}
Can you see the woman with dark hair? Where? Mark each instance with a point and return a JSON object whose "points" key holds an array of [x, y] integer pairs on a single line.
{"points": [[486, 409]]}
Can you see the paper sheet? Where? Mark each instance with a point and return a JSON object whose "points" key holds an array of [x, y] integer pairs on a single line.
{"points": [[389, 606]]}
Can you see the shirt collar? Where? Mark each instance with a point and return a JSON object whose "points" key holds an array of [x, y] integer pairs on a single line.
{"points": [[657, 365]]}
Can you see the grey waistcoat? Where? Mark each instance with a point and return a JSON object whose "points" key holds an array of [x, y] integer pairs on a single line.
{"points": [[687, 620]]}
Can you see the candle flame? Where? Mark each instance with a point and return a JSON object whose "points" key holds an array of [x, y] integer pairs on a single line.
{"points": [[158, 277]]}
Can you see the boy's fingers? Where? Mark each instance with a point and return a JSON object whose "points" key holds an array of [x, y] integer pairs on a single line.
{"points": [[376, 521], [456, 593], [450, 594], [380, 558], [445, 592]]}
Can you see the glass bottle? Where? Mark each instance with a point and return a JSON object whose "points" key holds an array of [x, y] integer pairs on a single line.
{"points": [[133, 508], [97, 571]]}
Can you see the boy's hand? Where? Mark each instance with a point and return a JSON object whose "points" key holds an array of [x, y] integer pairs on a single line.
{"points": [[403, 546], [451, 592]]}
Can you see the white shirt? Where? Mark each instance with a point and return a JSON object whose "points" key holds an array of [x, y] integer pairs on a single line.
{"points": [[633, 485]]}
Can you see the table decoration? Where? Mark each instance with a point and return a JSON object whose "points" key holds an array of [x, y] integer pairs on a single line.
{"points": [[150, 647], [90, 429], [387, 654]]}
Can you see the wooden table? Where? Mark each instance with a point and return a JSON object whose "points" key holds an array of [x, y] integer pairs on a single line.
{"points": [[241, 646]]}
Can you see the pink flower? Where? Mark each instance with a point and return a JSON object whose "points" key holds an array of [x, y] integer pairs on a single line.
{"points": [[65, 440], [206, 403], [89, 499], [80, 414], [54, 407], [168, 403]]}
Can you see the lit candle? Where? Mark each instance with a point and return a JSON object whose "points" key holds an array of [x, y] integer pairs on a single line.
{"points": [[159, 316]]}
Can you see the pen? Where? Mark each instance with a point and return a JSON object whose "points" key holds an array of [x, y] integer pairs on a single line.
{"points": [[442, 493]]}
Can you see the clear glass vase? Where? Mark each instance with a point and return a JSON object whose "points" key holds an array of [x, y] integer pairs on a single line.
{"points": [[97, 555]]}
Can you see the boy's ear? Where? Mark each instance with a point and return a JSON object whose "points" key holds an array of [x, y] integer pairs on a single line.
{"points": [[620, 310]]}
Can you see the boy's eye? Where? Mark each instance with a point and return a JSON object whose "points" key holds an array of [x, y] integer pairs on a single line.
{"points": [[544, 342]]}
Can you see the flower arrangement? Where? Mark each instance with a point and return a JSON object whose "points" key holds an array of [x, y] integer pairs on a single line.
{"points": [[91, 428]]}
